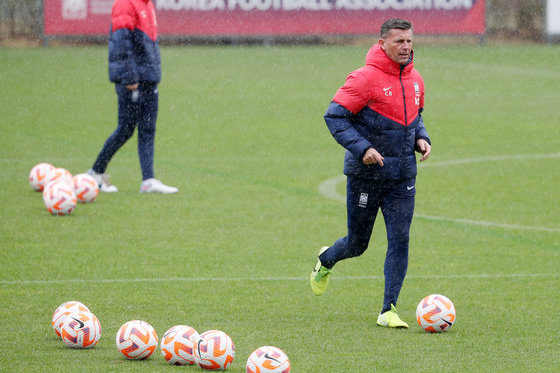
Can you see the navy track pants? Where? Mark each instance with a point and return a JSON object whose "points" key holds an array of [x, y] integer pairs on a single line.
{"points": [[364, 198], [136, 109]]}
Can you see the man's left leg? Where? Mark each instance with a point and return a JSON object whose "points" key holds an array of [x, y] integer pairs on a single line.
{"points": [[398, 209], [146, 140]]}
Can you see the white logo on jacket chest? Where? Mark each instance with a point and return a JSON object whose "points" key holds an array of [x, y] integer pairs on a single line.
{"points": [[387, 91]]}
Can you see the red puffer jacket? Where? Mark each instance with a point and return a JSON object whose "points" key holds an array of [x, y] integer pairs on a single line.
{"points": [[379, 107], [133, 43]]}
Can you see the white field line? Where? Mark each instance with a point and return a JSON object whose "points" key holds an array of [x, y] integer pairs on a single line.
{"points": [[279, 278], [494, 158], [490, 224], [328, 188]]}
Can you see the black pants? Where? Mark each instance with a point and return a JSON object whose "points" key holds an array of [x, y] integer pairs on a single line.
{"points": [[136, 109], [364, 198]]}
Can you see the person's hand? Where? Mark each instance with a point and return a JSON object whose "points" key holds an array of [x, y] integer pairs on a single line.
{"points": [[372, 156], [133, 87], [425, 149]]}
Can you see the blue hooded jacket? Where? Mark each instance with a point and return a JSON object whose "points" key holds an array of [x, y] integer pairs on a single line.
{"points": [[379, 107], [133, 43]]}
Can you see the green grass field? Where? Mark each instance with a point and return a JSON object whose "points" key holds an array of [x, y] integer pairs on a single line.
{"points": [[240, 132]]}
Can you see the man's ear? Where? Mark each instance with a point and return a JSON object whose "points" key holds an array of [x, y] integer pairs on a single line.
{"points": [[382, 43]]}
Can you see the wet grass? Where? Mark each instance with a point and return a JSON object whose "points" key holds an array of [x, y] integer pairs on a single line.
{"points": [[240, 132]]}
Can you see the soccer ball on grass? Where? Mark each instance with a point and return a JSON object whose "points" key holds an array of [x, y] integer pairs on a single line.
{"points": [[59, 173], [177, 345], [214, 350], [65, 309], [39, 175], [59, 198], [136, 340], [435, 313], [85, 187], [268, 359], [81, 330]]}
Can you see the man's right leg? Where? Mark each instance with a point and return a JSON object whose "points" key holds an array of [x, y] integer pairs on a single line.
{"points": [[320, 276], [362, 204], [127, 118]]}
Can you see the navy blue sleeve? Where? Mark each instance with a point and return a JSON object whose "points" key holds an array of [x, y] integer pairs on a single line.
{"points": [[421, 132], [339, 122], [122, 65]]}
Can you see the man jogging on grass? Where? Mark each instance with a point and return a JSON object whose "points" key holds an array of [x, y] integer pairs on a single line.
{"points": [[376, 117]]}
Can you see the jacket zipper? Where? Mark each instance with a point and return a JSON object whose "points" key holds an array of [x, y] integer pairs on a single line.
{"points": [[403, 156], [403, 96]]}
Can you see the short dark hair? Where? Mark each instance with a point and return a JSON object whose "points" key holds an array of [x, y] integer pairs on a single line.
{"points": [[394, 23]]}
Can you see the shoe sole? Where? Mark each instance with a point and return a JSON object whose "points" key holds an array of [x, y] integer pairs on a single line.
{"points": [[393, 327]]}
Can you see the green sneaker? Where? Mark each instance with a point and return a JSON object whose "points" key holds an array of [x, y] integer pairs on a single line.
{"points": [[320, 276], [391, 319]]}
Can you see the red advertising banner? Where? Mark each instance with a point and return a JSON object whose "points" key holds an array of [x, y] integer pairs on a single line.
{"points": [[274, 17]]}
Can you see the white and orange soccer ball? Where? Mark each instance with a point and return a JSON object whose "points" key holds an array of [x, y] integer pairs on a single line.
{"points": [[85, 187], [59, 198], [178, 343], [38, 175], [214, 350], [59, 173], [136, 340], [268, 359], [435, 313], [65, 309], [81, 330]]}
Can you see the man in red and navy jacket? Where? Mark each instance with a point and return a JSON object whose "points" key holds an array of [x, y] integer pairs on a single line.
{"points": [[135, 68], [133, 43], [376, 117]]}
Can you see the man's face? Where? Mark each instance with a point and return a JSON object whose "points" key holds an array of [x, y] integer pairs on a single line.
{"points": [[398, 45]]}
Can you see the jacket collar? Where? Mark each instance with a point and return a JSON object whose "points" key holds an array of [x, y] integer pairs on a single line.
{"points": [[378, 58]]}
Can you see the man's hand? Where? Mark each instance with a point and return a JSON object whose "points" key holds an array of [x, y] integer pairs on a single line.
{"points": [[133, 87], [372, 157], [425, 149]]}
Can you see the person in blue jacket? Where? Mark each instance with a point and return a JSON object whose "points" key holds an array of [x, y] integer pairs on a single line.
{"points": [[135, 68], [376, 117]]}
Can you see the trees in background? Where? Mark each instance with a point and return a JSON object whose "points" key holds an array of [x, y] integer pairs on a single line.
{"points": [[21, 18]]}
